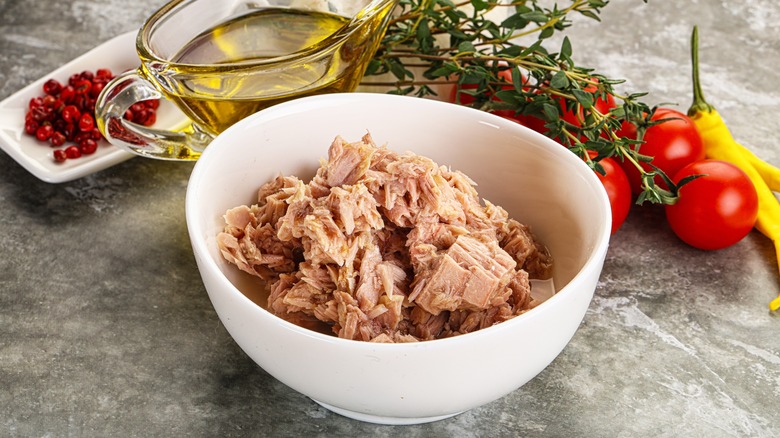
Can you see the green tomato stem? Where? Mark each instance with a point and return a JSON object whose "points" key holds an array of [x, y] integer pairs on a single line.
{"points": [[699, 104]]}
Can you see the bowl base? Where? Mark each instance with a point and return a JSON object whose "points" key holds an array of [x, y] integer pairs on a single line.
{"points": [[378, 419]]}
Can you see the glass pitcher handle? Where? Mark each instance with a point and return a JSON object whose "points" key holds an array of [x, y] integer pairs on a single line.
{"points": [[117, 97]]}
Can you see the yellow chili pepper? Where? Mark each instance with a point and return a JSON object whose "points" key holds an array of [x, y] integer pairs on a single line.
{"points": [[769, 173], [719, 144]]}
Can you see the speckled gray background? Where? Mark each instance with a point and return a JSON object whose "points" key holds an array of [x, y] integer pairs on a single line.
{"points": [[105, 328]]}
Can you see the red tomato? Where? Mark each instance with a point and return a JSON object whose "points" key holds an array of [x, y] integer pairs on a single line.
{"points": [[603, 106], [672, 144], [468, 99], [532, 122], [616, 184], [716, 210]]}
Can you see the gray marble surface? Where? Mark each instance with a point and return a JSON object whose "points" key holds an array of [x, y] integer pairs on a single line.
{"points": [[105, 327]]}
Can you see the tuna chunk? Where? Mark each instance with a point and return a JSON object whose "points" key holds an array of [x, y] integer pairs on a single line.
{"points": [[348, 162], [467, 275], [529, 253], [253, 246]]}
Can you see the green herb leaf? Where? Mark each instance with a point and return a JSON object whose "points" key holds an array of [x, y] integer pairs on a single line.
{"points": [[566, 47], [584, 98], [559, 80]]}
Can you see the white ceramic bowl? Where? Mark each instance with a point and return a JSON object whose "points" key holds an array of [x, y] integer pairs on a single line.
{"points": [[535, 179]]}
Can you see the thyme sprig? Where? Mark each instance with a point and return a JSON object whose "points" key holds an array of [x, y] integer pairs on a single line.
{"points": [[459, 44]]}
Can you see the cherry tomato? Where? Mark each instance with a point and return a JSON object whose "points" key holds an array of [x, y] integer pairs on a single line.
{"points": [[531, 122], [467, 99], [716, 210], [603, 106], [673, 144], [619, 191]]}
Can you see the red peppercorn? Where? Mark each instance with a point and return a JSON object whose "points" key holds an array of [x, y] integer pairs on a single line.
{"points": [[150, 119], [152, 103], [75, 77], [86, 123], [67, 94], [44, 132], [58, 105], [36, 102], [82, 86], [59, 125], [70, 114], [89, 105], [104, 73], [141, 116], [78, 101], [60, 155], [70, 131], [30, 127], [41, 113], [57, 139], [72, 151], [88, 146], [81, 136], [49, 100], [97, 87], [52, 87]]}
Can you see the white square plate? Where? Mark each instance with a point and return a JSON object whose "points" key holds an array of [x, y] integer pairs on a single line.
{"points": [[117, 54]]}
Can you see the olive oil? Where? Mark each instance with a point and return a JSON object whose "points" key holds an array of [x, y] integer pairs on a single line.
{"points": [[249, 48]]}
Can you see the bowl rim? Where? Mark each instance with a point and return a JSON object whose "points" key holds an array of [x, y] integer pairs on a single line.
{"points": [[318, 102]]}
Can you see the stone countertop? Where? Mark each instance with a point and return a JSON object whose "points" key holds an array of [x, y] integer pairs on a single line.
{"points": [[106, 329]]}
